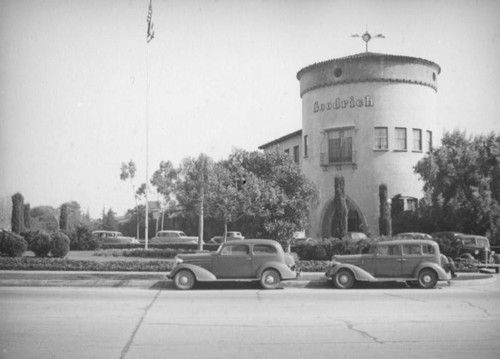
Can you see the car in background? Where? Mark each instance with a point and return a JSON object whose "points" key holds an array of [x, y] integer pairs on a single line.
{"points": [[231, 235], [478, 248], [172, 237], [113, 237], [416, 262], [355, 236], [413, 235], [259, 260]]}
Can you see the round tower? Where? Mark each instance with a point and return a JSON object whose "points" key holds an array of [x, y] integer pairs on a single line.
{"points": [[369, 118]]}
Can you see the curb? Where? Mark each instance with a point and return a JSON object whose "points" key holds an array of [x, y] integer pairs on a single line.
{"points": [[156, 280]]}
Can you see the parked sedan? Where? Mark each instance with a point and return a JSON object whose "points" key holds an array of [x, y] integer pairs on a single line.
{"points": [[412, 261], [113, 237], [259, 260], [231, 235], [173, 237]]}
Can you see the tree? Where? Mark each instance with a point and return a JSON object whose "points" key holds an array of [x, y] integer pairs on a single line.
{"points": [[164, 180], [63, 219], [191, 189], [340, 210], [280, 195], [109, 222], [128, 171], [17, 219], [44, 218], [384, 224], [462, 184], [27, 217]]}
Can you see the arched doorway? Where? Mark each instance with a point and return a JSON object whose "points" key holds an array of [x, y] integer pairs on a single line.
{"points": [[356, 221]]}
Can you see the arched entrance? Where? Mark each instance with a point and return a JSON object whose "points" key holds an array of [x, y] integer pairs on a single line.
{"points": [[356, 221]]}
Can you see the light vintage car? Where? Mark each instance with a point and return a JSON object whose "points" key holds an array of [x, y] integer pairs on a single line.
{"points": [[417, 262], [259, 260], [231, 235], [172, 237], [113, 237]]}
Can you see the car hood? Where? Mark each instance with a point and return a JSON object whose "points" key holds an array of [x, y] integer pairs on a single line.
{"points": [[350, 258], [196, 258]]}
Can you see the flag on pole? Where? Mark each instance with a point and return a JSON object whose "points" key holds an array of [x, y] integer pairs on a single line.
{"points": [[151, 32]]}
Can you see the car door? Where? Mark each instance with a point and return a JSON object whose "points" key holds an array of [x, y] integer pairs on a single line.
{"points": [[262, 254], [388, 261], [412, 257], [234, 261]]}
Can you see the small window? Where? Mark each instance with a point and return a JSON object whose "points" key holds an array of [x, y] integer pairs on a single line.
{"points": [[412, 250], [340, 146], [428, 249], [417, 139], [337, 72], [306, 146], [392, 250], [264, 249], [428, 140], [381, 139], [235, 250], [287, 151], [401, 139]]}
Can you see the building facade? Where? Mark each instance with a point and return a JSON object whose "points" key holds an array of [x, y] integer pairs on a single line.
{"points": [[369, 118]]}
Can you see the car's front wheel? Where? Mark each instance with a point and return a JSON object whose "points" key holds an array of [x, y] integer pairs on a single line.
{"points": [[344, 279], [427, 278], [184, 280], [270, 279]]}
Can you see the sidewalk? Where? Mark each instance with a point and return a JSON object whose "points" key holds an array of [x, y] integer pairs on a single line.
{"points": [[149, 280]]}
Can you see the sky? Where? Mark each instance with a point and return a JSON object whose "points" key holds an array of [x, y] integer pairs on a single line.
{"points": [[79, 83]]}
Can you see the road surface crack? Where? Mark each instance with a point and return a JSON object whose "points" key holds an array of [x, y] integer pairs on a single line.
{"points": [[351, 327], [477, 307], [131, 339]]}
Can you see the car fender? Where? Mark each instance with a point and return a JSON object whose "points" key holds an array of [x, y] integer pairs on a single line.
{"points": [[442, 275], [201, 274], [283, 269], [359, 274]]}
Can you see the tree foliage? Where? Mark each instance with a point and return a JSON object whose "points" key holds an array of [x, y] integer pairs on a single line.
{"points": [[462, 184], [17, 219]]}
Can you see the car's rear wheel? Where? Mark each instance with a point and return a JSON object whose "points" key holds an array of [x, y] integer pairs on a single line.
{"points": [[270, 279], [344, 279], [427, 278], [184, 280]]}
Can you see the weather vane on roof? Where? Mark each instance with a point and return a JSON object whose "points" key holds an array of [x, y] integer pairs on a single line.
{"points": [[367, 37]]}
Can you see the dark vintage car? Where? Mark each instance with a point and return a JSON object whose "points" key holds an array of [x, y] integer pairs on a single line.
{"points": [[260, 260], [478, 248], [415, 261]]}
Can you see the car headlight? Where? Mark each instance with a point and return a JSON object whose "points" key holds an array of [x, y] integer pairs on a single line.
{"points": [[178, 261], [476, 252]]}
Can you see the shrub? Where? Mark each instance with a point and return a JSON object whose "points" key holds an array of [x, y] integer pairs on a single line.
{"points": [[82, 239], [40, 244], [60, 244], [29, 236], [12, 244]]}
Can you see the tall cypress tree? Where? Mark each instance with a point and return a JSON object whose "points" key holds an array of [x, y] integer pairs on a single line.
{"points": [[384, 220], [17, 219], [63, 219], [27, 216], [340, 210]]}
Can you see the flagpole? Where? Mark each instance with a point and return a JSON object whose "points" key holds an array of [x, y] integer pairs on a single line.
{"points": [[147, 148]]}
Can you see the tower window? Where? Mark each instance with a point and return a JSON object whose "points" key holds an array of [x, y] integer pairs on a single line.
{"points": [[306, 146], [337, 72], [428, 140], [381, 139], [401, 139], [417, 139], [340, 146]]}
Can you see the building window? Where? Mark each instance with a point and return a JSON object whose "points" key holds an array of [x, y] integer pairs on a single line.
{"points": [[417, 139], [381, 139], [401, 139], [428, 140], [287, 151], [296, 154], [340, 146], [306, 146]]}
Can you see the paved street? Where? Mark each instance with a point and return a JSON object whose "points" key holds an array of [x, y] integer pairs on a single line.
{"points": [[245, 322]]}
